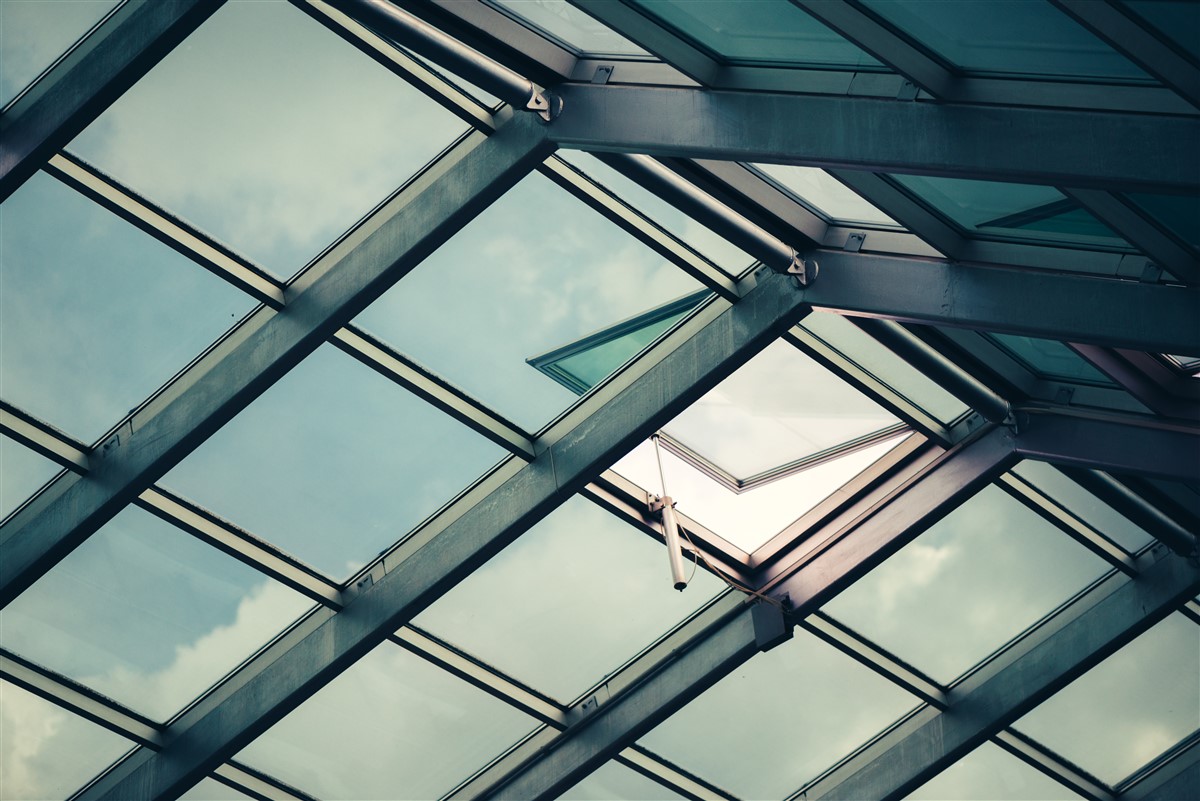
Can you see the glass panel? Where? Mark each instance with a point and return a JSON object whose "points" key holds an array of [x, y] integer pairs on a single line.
{"points": [[67, 260], [49, 752], [1178, 213], [989, 773], [392, 721], [147, 615], [1084, 505], [571, 26], [33, 33], [787, 714], [22, 473], [533, 272], [268, 131], [1177, 20], [750, 518], [612, 781], [1187, 363], [1010, 210], [779, 407], [213, 790], [334, 463], [1050, 358], [842, 335], [968, 585], [765, 31], [1013, 37], [1128, 709], [567, 603], [696, 236], [829, 196]]}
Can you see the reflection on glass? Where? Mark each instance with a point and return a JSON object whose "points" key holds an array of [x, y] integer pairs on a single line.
{"points": [[572, 26], [22, 473], [1180, 214], [33, 33], [402, 726], [990, 773], [567, 603], [137, 310], [750, 518], [334, 463], [781, 406], [1128, 709], [1010, 210], [821, 191], [787, 715], [49, 752], [535, 271], [213, 790], [1050, 358], [612, 781], [268, 131], [1010, 37], [1084, 505], [1186, 363], [966, 586], [147, 615], [764, 31]]}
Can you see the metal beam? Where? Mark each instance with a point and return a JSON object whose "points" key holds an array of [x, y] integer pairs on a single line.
{"points": [[231, 375], [1029, 145], [89, 78], [281, 680], [982, 708], [1161, 247]]}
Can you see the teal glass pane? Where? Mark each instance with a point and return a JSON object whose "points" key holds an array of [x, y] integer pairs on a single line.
{"points": [[571, 26], [1179, 214], [391, 726], [968, 585], [568, 603], [612, 781], [819, 190], [780, 719], [34, 33], [989, 773], [49, 752], [1084, 505], [536, 271], [1050, 358], [1176, 20], [759, 32], [1020, 211], [22, 473], [334, 463], [1007, 37], [268, 131], [147, 615], [1130, 708], [213, 790], [96, 315]]}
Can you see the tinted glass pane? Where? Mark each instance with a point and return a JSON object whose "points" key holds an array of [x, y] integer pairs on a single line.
{"points": [[496, 295], [571, 26], [763, 31], [570, 601], [821, 191], [779, 407], [268, 131], [1178, 213], [1128, 709], [1178, 20], [1084, 505], [1050, 358], [22, 473], [612, 781], [787, 714], [33, 33], [1019, 37], [334, 463], [392, 726], [989, 773], [147, 615], [95, 315], [49, 752], [966, 586], [1010, 210]]}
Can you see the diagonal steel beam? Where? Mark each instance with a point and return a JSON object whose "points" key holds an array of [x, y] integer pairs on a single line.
{"points": [[268, 344], [93, 75], [1028, 145]]}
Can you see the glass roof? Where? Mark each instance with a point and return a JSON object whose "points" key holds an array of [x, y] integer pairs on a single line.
{"points": [[334, 407]]}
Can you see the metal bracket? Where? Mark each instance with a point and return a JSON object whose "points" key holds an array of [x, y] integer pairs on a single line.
{"points": [[854, 243], [546, 105], [804, 272], [1151, 273], [603, 73], [908, 91], [1064, 395]]}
